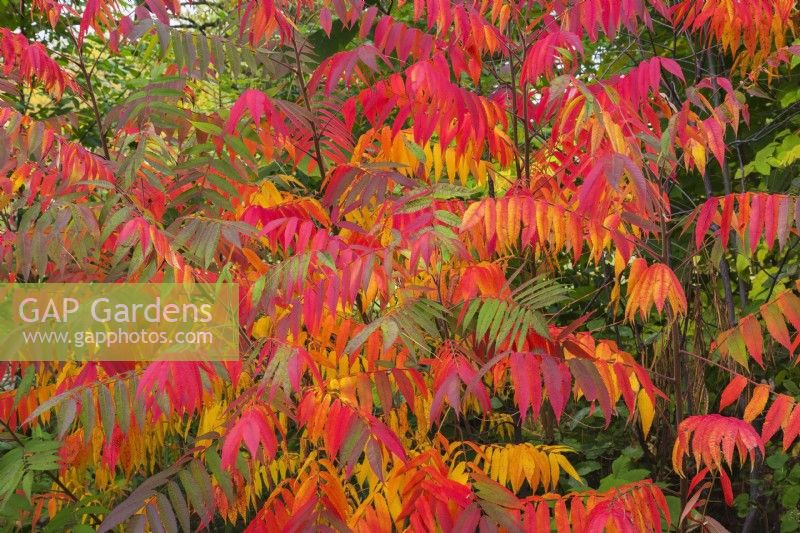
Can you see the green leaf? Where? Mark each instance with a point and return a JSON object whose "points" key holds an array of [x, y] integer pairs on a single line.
{"points": [[419, 154], [791, 497], [27, 484], [229, 171], [66, 416], [485, 316], [195, 497], [107, 412], [203, 481], [179, 506], [123, 406], [539, 324], [24, 385], [211, 243], [361, 337], [46, 406], [221, 476], [119, 216], [166, 513], [206, 127], [448, 218]]}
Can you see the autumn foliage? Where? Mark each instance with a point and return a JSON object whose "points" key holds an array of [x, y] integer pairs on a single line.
{"points": [[503, 266]]}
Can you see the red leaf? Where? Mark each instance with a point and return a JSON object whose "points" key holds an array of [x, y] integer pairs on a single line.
{"points": [[792, 428], [325, 20], [557, 382], [255, 429], [591, 383], [159, 9], [556, 47], [387, 438], [727, 490], [710, 439], [700, 476], [725, 221], [756, 221], [714, 135], [89, 13], [732, 392], [561, 517], [707, 213], [776, 416], [671, 66]]}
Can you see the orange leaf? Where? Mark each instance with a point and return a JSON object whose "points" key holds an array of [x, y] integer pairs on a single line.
{"points": [[757, 403], [751, 331], [776, 325]]}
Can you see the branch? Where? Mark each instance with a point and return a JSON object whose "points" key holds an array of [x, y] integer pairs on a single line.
{"points": [[783, 117], [307, 101], [93, 99]]}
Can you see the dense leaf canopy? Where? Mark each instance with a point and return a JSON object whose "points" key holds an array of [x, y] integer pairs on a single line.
{"points": [[502, 265]]}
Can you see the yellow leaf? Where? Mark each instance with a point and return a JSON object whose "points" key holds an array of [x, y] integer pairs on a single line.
{"points": [[615, 134], [698, 156], [567, 467], [646, 411], [437, 161], [502, 469], [515, 473], [450, 162], [554, 471], [212, 419], [543, 469], [463, 169], [261, 327], [268, 196]]}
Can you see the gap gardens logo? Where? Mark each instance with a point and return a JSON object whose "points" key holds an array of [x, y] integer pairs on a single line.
{"points": [[128, 321]]}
